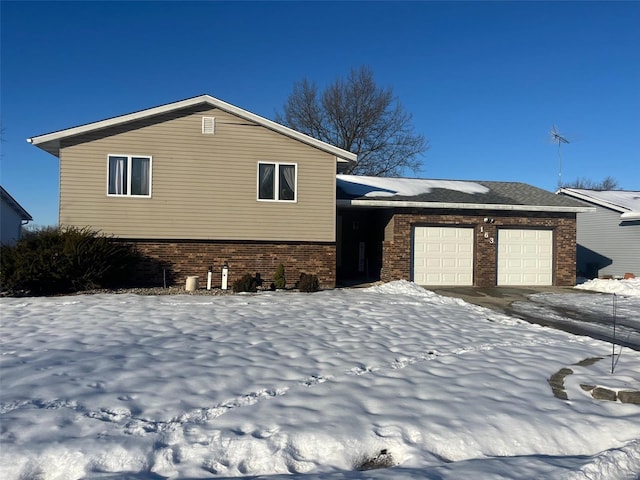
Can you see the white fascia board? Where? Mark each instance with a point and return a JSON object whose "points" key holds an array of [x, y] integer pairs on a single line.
{"points": [[342, 155], [13, 203], [463, 206], [630, 216], [595, 201], [109, 122]]}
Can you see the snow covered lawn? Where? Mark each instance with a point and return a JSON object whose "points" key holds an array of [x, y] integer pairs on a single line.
{"points": [[313, 385]]}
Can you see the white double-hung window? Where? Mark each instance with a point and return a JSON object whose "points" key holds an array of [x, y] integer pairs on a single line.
{"points": [[277, 181], [129, 175]]}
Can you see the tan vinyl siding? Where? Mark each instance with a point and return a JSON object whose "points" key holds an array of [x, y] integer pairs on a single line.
{"points": [[203, 186]]}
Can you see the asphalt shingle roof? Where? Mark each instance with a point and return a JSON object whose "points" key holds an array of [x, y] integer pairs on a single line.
{"points": [[496, 193]]}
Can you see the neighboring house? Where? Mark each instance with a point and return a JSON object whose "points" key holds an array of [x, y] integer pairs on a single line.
{"points": [[200, 182], [609, 239], [13, 217], [439, 232]]}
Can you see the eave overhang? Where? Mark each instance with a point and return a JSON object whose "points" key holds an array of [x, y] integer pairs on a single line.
{"points": [[595, 201], [50, 142], [358, 203], [13, 203]]}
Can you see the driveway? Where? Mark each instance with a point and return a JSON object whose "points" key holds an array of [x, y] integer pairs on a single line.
{"points": [[545, 306]]}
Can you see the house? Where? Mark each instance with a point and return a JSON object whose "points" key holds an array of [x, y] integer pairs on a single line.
{"points": [[609, 239], [449, 232], [200, 182], [13, 217]]}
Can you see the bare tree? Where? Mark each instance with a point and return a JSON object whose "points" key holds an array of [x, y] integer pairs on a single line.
{"points": [[609, 183], [353, 113]]}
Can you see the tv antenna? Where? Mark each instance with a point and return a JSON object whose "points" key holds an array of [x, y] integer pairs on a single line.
{"points": [[556, 137]]}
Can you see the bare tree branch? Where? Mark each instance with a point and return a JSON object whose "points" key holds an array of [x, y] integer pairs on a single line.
{"points": [[353, 113], [609, 183]]}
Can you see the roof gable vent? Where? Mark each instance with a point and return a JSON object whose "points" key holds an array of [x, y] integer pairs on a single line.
{"points": [[208, 125]]}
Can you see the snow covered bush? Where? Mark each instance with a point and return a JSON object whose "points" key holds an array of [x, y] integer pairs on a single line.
{"points": [[57, 260], [384, 459]]}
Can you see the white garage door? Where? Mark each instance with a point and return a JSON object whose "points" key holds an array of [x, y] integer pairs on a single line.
{"points": [[525, 257], [443, 256]]}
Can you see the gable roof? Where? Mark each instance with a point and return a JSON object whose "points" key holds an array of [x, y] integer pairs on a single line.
{"points": [[50, 142], [13, 203], [360, 191], [627, 202]]}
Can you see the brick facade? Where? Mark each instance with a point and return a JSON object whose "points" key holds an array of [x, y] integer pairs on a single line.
{"points": [[176, 260], [396, 257]]}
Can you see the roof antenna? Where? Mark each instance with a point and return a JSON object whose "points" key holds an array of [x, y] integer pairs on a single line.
{"points": [[559, 139]]}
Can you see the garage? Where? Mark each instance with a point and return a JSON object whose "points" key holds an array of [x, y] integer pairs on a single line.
{"points": [[443, 255], [525, 257], [461, 233]]}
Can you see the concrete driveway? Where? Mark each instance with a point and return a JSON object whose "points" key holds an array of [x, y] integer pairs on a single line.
{"points": [[514, 301]]}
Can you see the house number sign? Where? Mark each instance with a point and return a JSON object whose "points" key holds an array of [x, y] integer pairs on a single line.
{"points": [[486, 235]]}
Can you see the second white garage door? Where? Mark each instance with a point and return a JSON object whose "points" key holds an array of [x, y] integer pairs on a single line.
{"points": [[443, 256], [525, 257]]}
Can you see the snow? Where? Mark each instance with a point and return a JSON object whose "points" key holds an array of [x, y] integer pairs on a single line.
{"points": [[628, 287], [364, 186], [626, 199], [304, 386]]}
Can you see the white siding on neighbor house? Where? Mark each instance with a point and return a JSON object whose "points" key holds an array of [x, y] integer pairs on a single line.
{"points": [[11, 224], [615, 244], [204, 186]]}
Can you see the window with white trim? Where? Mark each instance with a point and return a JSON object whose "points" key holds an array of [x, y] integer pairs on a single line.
{"points": [[129, 175], [277, 181]]}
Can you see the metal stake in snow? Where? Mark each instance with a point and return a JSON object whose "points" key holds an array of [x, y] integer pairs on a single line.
{"points": [[613, 346]]}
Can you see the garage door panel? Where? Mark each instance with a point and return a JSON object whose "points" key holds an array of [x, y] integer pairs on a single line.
{"points": [[449, 263], [434, 248], [449, 248], [525, 257], [443, 255]]}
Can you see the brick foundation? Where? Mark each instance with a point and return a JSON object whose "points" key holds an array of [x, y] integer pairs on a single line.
{"points": [[179, 259], [396, 263]]}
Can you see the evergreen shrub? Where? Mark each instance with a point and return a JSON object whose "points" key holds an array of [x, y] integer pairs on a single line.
{"points": [[246, 283], [279, 280], [308, 283], [56, 260]]}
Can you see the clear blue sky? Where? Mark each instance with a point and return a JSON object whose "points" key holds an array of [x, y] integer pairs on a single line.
{"points": [[485, 82]]}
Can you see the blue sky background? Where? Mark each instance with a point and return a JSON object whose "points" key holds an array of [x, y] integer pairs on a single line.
{"points": [[484, 81]]}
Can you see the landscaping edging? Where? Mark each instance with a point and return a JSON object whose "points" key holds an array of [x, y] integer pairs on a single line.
{"points": [[556, 382]]}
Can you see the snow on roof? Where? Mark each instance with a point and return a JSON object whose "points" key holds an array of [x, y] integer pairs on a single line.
{"points": [[407, 187], [627, 202]]}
